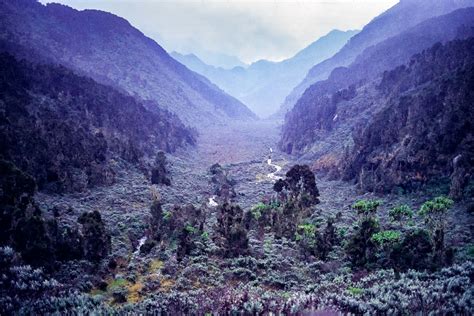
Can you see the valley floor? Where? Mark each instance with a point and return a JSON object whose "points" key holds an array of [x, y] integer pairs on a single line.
{"points": [[243, 150]]}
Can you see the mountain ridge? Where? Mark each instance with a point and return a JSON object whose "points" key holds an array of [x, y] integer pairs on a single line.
{"points": [[323, 124], [105, 46], [66, 130], [398, 18]]}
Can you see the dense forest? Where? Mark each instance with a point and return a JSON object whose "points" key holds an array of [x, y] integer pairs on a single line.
{"points": [[66, 130]]}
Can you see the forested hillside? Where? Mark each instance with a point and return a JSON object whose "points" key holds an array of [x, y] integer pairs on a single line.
{"points": [[66, 130], [399, 18], [326, 117], [110, 50], [130, 185], [424, 131]]}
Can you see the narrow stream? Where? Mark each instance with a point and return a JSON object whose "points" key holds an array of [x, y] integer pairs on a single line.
{"points": [[272, 175], [141, 242]]}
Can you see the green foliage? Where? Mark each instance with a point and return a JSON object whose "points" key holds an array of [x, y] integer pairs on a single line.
{"points": [[434, 212], [258, 209], [386, 237], [366, 207], [355, 291], [117, 284], [438, 205], [342, 232], [190, 229], [360, 247], [415, 251], [400, 213], [305, 231], [261, 208], [166, 215]]}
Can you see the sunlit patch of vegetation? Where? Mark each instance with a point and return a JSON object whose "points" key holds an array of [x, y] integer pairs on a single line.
{"points": [[155, 265], [386, 237], [355, 291]]}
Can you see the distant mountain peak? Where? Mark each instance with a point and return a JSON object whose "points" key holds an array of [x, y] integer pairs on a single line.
{"points": [[264, 84]]}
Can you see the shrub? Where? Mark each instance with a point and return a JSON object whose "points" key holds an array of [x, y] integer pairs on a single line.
{"points": [[233, 235], [97, 243], [355, 291], [159, 173], [386, 237], [259, 209], [434, 212], [400, 213], [436, 208], [361, 248], [299, 185], [415, 251], [366, 208]]}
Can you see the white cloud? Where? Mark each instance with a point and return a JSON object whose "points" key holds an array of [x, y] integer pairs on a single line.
{"points": [[250, 30]]}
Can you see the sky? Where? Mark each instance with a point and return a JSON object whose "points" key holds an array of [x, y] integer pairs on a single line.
{"points": [[248, 29]]}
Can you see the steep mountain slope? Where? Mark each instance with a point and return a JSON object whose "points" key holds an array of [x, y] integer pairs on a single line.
{"points": [[70, 132], [322, 123], [425, 130], [402, 16], [264, 84], [317, 112], [108, 49]]}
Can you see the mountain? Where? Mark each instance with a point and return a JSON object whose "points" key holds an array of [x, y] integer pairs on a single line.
{"points": [[70, 133], [221, 60], [264, 84], [402, 16], [425, 131], [323, 123], [193, 62], [111, 51]]}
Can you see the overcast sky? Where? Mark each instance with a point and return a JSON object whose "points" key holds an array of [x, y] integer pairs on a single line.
{"points": [[248, 29]]}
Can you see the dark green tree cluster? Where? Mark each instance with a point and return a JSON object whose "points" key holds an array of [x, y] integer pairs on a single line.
{"points": [[400, 245], [159, 172], [42, 242], [182, 225], [67, 141], [316, 242], [299, 186], [231, 229], [295, 195], [96, 243]]}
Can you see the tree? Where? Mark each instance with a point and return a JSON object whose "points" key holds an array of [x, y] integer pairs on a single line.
{"points": [[388, 243], [434, 212], [401, 214], [414, 251], [361, 247], [159, 174], [366, 208], [300, 184], [182, 225], [230, 226], [97, 242]]}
